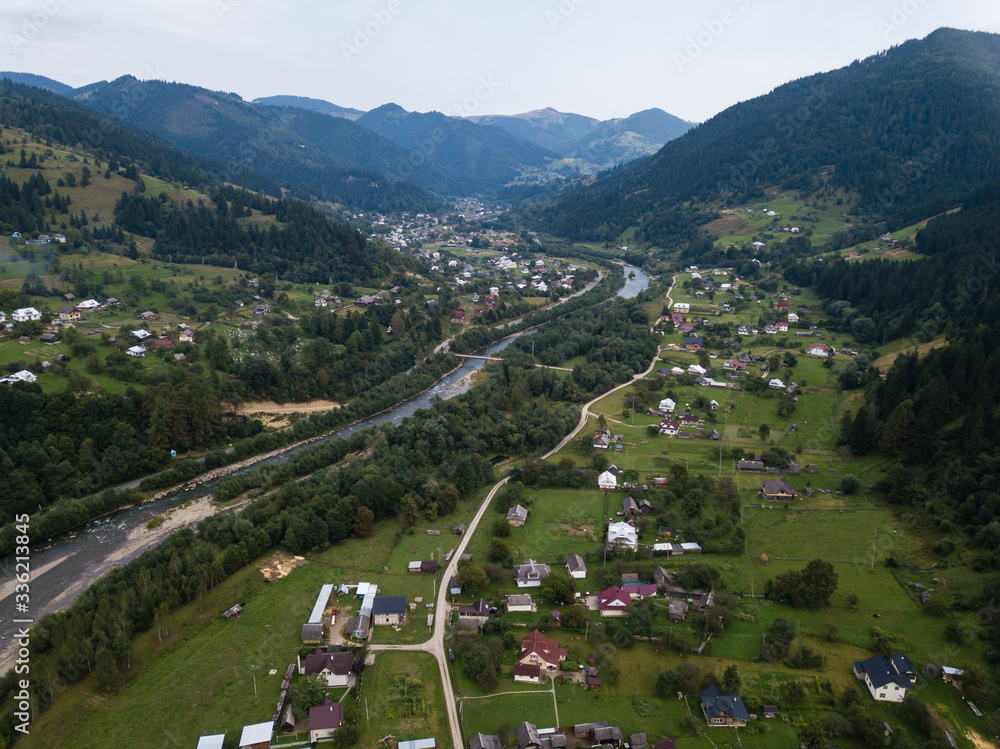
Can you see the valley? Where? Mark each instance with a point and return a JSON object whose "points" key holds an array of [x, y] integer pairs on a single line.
{"points": [[373, 426]]}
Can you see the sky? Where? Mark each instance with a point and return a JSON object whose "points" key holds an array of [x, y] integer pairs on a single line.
{"points": [[471, 57]]}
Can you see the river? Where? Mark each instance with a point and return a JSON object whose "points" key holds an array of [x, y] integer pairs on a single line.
{"points": [[63, 567]]}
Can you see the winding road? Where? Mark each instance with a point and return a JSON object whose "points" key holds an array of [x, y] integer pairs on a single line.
{"points": [[435, 645]]}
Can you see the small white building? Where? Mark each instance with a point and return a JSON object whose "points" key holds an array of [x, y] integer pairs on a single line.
{"points": [[576, 567], [257, 735], [776, 384], [667, 405], [136, 351]]}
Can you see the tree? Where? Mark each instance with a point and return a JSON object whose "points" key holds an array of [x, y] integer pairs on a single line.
{"points": [[107, 670], [308, 692], [764, 432], [850, 484], [363, 522], [731, 682], [669, 682], [472, 578], [811, 736], [853, 601], [497, 551], [409, 513], [557, 588]]}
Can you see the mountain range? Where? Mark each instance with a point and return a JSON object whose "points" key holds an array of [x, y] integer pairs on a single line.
{"points": [[387, 158]]}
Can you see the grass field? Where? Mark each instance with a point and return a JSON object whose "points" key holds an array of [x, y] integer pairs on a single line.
{"points": [[382, 694]]}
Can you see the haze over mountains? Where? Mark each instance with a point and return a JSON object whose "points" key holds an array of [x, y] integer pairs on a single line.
{"points": [[384, 159]]}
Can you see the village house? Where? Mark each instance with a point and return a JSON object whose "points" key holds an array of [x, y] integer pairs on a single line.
{"points": [[722, 709], [478, 612], [777, 490], [531, 573], [670, 427], [613, 602], [520, 603], [623, 537], [819, 350], [69, 314], [538, 649], [389, 610], [136, 351], [26, 314], [517, 516], [887, 680], [576, 567], [324, 719], [607, 481], [334, 668]]}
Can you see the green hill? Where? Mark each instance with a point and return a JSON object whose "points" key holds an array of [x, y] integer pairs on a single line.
{"points": [[911, 130]]}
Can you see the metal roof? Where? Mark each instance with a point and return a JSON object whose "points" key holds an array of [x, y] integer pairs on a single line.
{"points": [[321, 601], [258, 733], [212, 742]]}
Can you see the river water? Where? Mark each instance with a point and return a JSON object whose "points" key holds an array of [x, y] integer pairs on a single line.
{"points": [[63, 567]]}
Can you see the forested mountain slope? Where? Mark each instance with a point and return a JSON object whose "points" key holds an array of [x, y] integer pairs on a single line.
{"points": [[911, 130]]}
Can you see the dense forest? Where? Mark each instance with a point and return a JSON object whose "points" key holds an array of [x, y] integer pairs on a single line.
{"points": [[912, 130], [306, 248]]}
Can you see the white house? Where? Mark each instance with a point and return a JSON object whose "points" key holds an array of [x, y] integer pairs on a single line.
{"points": [[887, 680], [23, 376], [136, 351], [776, 384], [623, 536], [819, 350], [667, 405], [26, 314], [520, 602], [607, 481], [141, 334], [576, 567], [697, 369], [792, 317], [682, 307], [90, 304]]}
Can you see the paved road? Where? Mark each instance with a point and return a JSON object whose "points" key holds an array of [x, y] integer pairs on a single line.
{"points": [[435, 645]]}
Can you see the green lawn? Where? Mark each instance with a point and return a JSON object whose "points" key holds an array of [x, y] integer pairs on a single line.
{"points": [[392, 693]]}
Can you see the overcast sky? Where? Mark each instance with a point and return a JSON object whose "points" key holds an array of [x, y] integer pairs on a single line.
{"points": [[595, 57]]}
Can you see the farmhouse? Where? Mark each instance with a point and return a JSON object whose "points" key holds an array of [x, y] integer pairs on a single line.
{"points": [[670, 427], [389, 610], [777, 490], [531, 574], [613, 602], [324, 719], [334, 668], [576, 567], [887, 680], [517, 516], [722, 709], [623, 536], [136, 351], [607, 481], [69, 314], [520, 602], [479, 611], [819, 350], [667, 405], [751, 465], [26, 314], [538, 649]]}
